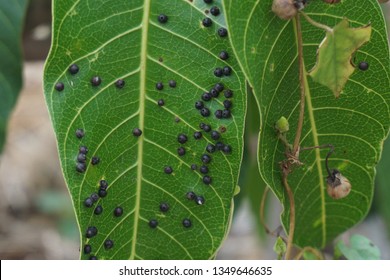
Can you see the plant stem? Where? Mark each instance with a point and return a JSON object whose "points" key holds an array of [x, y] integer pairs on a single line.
{"points": [[316, 24], [302, 85], [291, 229]]}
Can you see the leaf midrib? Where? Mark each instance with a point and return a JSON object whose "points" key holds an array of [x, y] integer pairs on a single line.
{"points": [[143, 59]]}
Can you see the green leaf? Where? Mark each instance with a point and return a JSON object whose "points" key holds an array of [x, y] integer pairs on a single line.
{"points": [[355, 124], [125, 40], [11, 22], [280, 247], [334, 66], [360, 248]]}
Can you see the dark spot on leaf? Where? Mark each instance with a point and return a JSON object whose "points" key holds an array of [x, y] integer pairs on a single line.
{"points": [[159, 86], [160, 102], [194, 166], [228, 93], [102, 193], [103, 184], [199, 200], [95, 160], [79, 133], [82, 158], [227, 149], [93, 258], [181, 151], [91, 232], [197, 135], [88, 202], [98, 210], [168, 170], [207, 180], [215, 135], [207, 22], [120, 83], [219, 87], [164, 207], [96, 81], [73, 69], [206, 158], [204, 169], [226, 114], [214, 93], [208, 1], [94, 197], [219, 146], [205, 112], [172, 83], [153, 223], [223, 55], [87, 249], [190, 195], [108, 244], [206, 96], [210, 148], [83, 150], [218, 114], [137, 132], [59, 86], [222, 129], [118, 211], [182, 138], [227, 104], [363, 65], [186, 223], [222, 32], [199, 105], [81, 167], [218, 72], [162, 18], [227, 71]]}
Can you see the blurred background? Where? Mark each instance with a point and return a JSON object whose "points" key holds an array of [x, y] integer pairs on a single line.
{"points": [[36, 215]]}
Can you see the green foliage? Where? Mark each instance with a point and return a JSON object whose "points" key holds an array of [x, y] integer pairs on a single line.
{"points": [[124, 40], [11, 22], [360, 248], [334, 66], [280, 247], [356, 123]]}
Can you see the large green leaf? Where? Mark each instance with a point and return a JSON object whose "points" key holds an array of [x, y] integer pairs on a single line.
{"points": [[125, 40], [11, 22], [356, 123]]}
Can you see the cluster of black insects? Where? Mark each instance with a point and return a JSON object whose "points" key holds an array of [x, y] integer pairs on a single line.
{"points": [[81, 161]]}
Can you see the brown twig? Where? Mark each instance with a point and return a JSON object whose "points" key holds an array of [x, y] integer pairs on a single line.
{"points": [[302, 86], [291, 229]]}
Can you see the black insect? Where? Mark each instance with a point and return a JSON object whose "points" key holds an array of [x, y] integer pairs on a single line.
{"points": [[227, 149], [94, 197], [73, 69], [164, 207], [137, 132], [81, 167], [204, 169], [194, 166], [80, 133], [87, 249], [226, 114], [208, 1], [103, 184], [222, 32], [98, 210], [219, 87], [199, 105], [181, 151], [205, 112], [95, 160], [218, 114], [228, 93], [172, 83], [182, 138], [120, 83], [206, 96], [162, 18], [207, 180], [219, 146], [102, 193], [210, 148], [190, 195], [168, 170], [96, 81], [81, 158], [91, 232], [161, 102], [187, 223], [118, 211], [199, 200], [206, 128], [227, 104], [218, 72], [83, 150], [363, 65], [215, 11], [223, 55], [206, 158], [215, 135], [227, 71], [159, 86], [207, 22], [88, 202], [108, 244], [197, 135], [153, 223], [59, 86]]}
